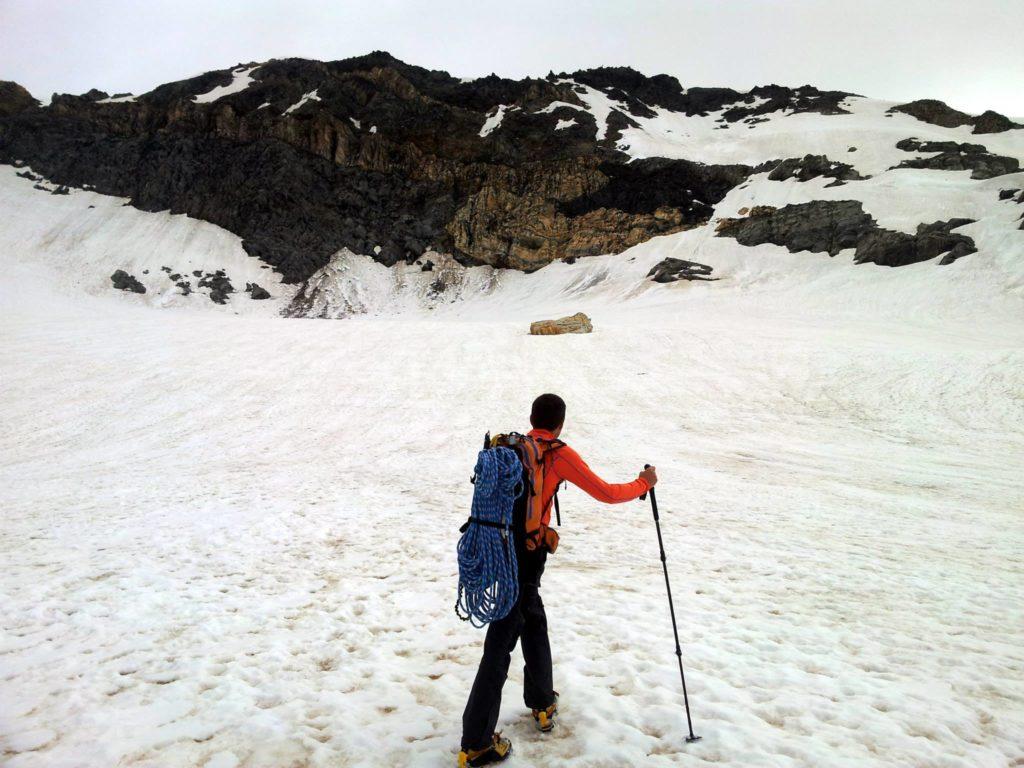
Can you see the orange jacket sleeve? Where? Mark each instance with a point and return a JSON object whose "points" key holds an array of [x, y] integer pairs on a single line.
{"points": [[570, 466]]}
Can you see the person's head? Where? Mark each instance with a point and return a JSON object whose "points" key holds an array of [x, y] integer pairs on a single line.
{"points": [[548, 412]]}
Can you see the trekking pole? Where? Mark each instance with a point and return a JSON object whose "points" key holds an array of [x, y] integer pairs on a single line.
{"points": [[672, 611]]}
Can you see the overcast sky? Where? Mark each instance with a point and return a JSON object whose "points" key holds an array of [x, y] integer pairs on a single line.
{"points": [[969, 53]]}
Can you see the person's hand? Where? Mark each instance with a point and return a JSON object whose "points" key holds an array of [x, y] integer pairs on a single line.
{"points": [[650, 476]]}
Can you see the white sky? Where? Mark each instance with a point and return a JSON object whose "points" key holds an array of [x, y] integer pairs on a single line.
{"points": [[969, 53]]}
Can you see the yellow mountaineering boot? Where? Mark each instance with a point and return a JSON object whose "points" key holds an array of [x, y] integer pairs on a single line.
{"points": [[545, 718], [499, 749]]}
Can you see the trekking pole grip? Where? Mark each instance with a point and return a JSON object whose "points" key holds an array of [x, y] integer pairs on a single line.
{"points": [[643, 496]]}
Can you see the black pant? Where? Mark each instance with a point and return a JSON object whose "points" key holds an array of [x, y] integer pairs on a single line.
{"points": [[526, 620]]}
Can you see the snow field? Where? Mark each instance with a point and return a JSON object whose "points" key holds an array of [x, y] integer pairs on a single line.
{"points": [[231, 540]]}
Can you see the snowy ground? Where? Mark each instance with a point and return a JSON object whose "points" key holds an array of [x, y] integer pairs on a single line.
{"points": [[229, 540]]}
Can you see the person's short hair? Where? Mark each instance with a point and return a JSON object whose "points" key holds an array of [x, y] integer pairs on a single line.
{"points": [[548, 412]]}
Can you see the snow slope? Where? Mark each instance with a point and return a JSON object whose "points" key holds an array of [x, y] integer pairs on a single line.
{"points": [[229, 540]]}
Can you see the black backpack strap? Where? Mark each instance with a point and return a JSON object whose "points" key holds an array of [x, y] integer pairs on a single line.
{"points": [[478, 521]]}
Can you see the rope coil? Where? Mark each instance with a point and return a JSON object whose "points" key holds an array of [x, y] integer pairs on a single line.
{"points": [[488, 571]]}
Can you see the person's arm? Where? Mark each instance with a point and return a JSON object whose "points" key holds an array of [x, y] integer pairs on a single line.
{"points": [[571, 467]]}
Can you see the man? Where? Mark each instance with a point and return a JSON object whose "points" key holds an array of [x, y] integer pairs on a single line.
{"points": [[480, 744]]}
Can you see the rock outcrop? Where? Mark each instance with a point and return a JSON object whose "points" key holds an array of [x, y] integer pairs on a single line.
{"points": [[830, 226], [939, 113], [14, 99], [811, 167], [384, 158], [578, 323], [953, 156]]}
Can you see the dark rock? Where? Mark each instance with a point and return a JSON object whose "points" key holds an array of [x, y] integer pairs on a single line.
{"points": [[175, 277], [29, 175], [185, 286], [935, 112], [1006, 194], [939, 113], [916, 145], [820, 226], [219, 285], [197, 273], [14, 99], [61, 190], [670, 270], [833, 225], [893, 249], [852, 149], [427, 266], [993, 122], [811, 167], [953, 156], [125, 282], [256, 292]]}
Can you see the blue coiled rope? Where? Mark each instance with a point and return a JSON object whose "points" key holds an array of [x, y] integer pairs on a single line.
{"points": [[488, 571]]}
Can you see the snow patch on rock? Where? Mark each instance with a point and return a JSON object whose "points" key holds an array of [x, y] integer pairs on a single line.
{"points": [[310, 96], [241, 79]]}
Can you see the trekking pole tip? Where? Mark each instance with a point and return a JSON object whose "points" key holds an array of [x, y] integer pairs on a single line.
{"points": [[691, 739]]}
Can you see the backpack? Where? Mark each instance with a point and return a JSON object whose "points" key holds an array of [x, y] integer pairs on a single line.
{"points": [[528, 513]]}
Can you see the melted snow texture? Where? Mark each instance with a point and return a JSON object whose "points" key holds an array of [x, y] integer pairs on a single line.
{"points": [[231, 542], [73, 243], [867, 127]]}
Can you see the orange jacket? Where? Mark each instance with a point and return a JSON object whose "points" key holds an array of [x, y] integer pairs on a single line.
{"points": [[566, 464]]}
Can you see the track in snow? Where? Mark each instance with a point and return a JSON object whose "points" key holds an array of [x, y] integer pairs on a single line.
{"points": [[231, 541]]}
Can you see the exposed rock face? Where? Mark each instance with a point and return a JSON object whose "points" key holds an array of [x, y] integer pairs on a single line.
{"points": [[640, 93], [811, 167], [305, 160], [828, 226], [14, 99], [670, 270], [894, 249], [831, 226], [939, 113], [125, 282], [958, 157], [384, 158], [578, 323]]}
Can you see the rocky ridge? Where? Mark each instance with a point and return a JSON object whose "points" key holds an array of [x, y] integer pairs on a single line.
{"points": [[305, 160]]}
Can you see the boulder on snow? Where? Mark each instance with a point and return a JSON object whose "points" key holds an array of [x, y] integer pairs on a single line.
{"points": [[256, 292], [578, 323], [219, 284], [670, 270], [125, 282]]}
